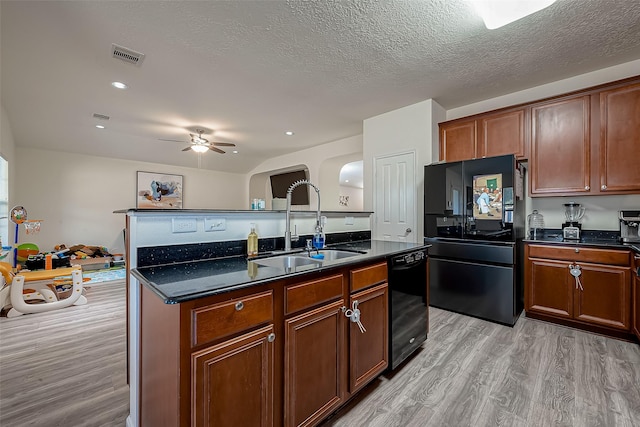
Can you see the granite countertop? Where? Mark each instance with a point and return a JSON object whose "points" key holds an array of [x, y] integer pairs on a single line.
{"points": [[184, 281], [595, 238]]}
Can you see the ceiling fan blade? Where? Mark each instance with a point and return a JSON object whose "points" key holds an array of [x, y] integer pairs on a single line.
{"points": [[217, 150], [186, 149], [172, 140], [224, 144]]}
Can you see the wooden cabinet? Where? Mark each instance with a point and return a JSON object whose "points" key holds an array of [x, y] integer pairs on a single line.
{"points": [[369, 348], [315, 350], [560, 147], [487, 135], [233, 382], [619, 143], [502, 133], [458, 140], [600, 295], [281, 353]]}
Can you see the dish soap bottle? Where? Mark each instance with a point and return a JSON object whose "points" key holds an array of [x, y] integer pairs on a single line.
{"points": [[318, 237], [252, 242]]}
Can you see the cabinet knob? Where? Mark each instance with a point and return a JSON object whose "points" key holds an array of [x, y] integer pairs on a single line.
{"points": [[239, 305], [577, 250], [586, 187], [604, 187], [271, 337]]}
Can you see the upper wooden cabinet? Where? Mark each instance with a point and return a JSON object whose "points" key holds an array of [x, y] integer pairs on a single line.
{"points": [[502, 133], [619, 148], [560, 147], [458, 140], [486, 135], [583, 143]]}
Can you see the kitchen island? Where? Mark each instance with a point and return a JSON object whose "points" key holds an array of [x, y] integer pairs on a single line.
{"points": [[224, 340]]}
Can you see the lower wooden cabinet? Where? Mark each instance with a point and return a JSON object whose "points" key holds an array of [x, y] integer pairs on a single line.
{"points": [[599, 295], [369, 349], [314, 365], [282, 353], [233, 382]]}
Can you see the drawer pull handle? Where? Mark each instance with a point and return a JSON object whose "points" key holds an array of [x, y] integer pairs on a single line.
{"points": [[271, 337], [586, 187], [577, 250], [239, 305], [604, 187]]}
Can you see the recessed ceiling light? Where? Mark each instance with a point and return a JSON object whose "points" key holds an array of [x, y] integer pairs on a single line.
{"points": [[119, 85], [100, 126], [289, 133], [346, 180], [235, 151]]}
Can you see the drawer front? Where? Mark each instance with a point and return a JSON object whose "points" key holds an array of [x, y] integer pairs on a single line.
{"points": [[308, 294], [226, 318], [581, 254], [367, 276]]}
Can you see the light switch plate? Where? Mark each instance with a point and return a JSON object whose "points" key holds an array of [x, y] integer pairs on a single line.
{"points": [[348, 220], [215, 224], [183, 225]]}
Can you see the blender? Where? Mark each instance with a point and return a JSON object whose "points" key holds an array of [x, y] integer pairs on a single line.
{"points": [[573, 213]]}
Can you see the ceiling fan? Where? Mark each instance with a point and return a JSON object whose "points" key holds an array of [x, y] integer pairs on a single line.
{"points": [[201, 145]]}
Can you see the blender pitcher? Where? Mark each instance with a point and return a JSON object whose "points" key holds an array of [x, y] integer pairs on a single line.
{"points": [[573, 212]]}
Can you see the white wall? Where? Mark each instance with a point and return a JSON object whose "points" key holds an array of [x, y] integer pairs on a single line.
{"points": [[313, 158], [331, 188], [75, 195], [403, 130]]}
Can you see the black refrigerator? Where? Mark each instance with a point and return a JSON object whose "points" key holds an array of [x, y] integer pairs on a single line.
{"points": [[474, 218]]}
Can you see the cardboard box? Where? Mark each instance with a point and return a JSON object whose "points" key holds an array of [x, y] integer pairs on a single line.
{"points": [[93, 263]]}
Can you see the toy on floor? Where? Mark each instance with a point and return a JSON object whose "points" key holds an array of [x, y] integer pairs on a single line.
{"points": [[40, 290]]}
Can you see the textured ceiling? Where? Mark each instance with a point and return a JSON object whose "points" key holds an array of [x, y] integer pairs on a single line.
{"points": [[252, 69]]}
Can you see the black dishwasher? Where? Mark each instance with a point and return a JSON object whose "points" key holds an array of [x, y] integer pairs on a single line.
{"points": [[408, 305]]}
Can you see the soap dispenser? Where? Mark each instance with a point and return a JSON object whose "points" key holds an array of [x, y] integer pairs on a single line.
{"points": [[252, 242], [318, 237]]}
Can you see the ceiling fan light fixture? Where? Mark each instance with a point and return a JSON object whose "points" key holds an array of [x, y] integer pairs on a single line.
{"points": [[498, 13], [199, 148]]}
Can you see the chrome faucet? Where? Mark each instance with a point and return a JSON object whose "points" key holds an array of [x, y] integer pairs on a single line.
{"points": [[287, 231]]}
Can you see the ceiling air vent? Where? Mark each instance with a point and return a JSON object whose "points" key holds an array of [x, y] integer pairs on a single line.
{"points": [[127, 55], [100, 116]]}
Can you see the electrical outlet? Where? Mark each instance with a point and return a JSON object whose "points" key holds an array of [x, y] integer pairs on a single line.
{"points": [[183, 225], [215, 224], [348, 220]]}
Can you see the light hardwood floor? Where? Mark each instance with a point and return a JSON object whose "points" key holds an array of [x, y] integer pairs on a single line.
{"points": [[475, 373], [67, 368]]}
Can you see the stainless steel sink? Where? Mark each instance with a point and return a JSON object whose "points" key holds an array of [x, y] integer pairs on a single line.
{"points": [[288, 262], [335, 254]]}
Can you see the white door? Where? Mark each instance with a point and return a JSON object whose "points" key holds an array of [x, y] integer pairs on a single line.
{"points": [[395, 198]]}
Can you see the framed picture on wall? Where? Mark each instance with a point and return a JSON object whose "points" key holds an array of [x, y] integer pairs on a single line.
{"points": [[158, 191]]}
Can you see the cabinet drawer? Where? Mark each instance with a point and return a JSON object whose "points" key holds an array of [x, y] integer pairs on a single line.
{"points": [[581, 254], [307, 294], [367, 276], [226, 318]]}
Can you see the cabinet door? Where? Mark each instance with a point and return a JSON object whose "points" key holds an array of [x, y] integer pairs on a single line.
{"points": [[233, 382], [620, 139], [547, 288], [314, 365], [560, 147], [458, 141], [369, 349], [605, 297], [502, 133]]}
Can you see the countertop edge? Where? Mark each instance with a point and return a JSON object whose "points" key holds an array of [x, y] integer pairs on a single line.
{"points": [[330, 266]]}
